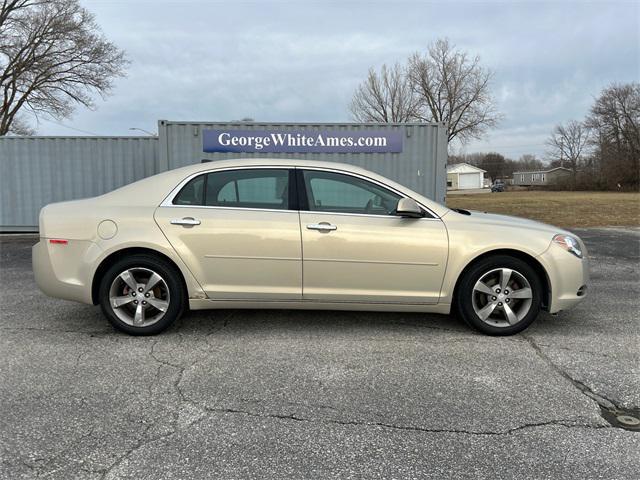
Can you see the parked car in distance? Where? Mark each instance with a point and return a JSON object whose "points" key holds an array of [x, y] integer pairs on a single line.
{"points": [[268, 233], [497, 187]]}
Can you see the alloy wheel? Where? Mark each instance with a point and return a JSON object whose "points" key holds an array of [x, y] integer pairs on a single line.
{"points": [[502, 297], [139, 297]]}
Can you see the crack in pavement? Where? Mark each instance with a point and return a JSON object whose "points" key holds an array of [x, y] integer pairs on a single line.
{"points": [[42, 463], [603, 402], [292, 404], [139, 444], [212, 411], [560, 422], [145, 440], [91, 333], [182, 399], [181, 369], [574, 350], [206, 412]]}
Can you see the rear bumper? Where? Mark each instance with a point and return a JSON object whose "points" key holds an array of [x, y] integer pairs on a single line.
{"points": [[568, 276], [64, 271]]}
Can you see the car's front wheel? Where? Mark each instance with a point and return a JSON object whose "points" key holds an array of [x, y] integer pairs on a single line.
{"points": [[499, 295], [142, 294]]}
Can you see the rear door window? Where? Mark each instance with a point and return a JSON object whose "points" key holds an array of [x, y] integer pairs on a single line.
{"points": [[251, 188]]}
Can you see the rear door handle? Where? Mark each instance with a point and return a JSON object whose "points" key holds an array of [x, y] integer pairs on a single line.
{"points": [[186, 221], [322, 227]]}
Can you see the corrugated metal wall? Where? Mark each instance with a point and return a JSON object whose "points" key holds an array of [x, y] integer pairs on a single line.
{"points": [[35, 171], [420, 166]]}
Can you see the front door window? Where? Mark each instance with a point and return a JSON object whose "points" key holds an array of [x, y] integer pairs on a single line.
{"points": [[339, 193]]}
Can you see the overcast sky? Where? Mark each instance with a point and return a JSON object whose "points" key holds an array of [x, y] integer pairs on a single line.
{"points": [[300, 61]]}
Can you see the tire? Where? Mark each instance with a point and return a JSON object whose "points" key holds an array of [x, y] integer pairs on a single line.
{"points": [[480, 294], [126, 284]]}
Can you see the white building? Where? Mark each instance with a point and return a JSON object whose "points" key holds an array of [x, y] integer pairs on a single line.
{"points": [[462, 176]]}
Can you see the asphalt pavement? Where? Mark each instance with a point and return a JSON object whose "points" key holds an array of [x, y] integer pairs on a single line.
{"points": [[311, 394]]}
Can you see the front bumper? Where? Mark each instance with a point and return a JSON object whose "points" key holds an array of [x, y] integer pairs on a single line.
{"points": [[64, 270], [568, 277]]}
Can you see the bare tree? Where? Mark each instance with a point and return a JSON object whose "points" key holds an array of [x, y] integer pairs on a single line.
{"points": [[615, 124], [444, 85], [52, 57], [568, 143], [385, 97], [453, 89], [529, 162], [494, 164], [616, 115]]}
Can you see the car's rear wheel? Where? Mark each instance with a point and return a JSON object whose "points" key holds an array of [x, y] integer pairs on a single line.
{"points": [[142, 295], [499, 295]]}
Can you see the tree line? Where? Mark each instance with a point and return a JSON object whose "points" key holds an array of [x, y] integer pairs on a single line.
{"points": [[602, 151]]}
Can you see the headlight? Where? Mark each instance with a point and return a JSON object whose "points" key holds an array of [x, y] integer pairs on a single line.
{"points": [[569, 243]]}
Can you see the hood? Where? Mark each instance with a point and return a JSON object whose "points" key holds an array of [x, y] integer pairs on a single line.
{"points": [[485, 218], [479, 232]]}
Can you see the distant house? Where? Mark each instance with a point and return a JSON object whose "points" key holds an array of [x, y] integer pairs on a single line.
{"points": [[462, 176], [540, 177]]}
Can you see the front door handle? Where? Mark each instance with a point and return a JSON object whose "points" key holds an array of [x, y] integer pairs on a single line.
{"points": [[322, 227], [186, 221]]}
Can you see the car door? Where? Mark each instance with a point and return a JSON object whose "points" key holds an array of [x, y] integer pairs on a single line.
{"points": [[238, 231], [355, 249]]}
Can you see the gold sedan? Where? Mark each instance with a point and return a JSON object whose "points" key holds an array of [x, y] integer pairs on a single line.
{"points": [[296, 234]]}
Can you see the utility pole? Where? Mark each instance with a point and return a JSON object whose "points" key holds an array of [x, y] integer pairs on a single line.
{"points": [[562, 151]]}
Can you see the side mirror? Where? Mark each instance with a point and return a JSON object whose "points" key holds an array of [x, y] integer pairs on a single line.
{"points": [[408, 208]]}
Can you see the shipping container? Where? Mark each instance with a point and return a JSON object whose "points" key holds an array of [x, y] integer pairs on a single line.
{"points": [[35, 171], [418, 162]]}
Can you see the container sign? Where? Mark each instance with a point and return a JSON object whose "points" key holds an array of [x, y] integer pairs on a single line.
{"points": [[301, 141]]}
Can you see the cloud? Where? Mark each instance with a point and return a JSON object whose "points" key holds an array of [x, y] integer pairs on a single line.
{"points": [[301, 61]]}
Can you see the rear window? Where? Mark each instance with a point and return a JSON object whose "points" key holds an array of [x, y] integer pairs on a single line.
{"points": [[192, 193]]}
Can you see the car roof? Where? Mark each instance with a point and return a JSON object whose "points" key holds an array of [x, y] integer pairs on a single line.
{"points": [[275, 162]]}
